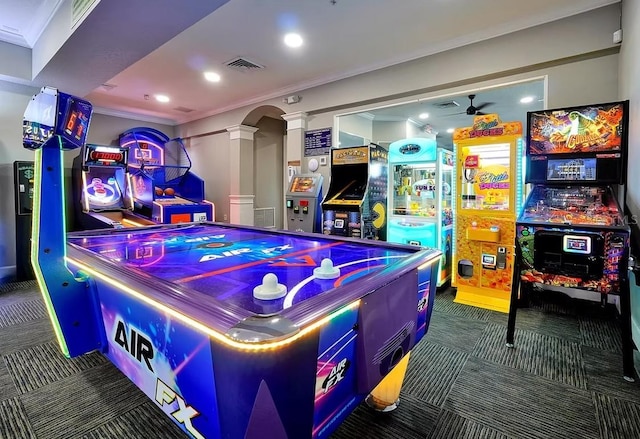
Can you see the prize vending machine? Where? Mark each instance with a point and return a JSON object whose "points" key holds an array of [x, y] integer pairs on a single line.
{"points": [[571, 234], [420, 179], [488, 195], [356, 201], [303, 203]]}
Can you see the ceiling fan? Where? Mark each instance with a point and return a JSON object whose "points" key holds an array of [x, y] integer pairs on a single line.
{"points": [[474, 110]]}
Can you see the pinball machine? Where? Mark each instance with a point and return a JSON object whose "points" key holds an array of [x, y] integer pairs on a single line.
{"points": [[571, 235]]}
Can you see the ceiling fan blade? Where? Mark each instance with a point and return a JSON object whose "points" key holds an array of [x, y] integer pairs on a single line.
{"points": [[483, 105], [480, 113]]}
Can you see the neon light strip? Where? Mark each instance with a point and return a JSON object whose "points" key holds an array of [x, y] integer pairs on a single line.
{"points": [[35, 246], [206, 329], [129, 190], [213, 209], [161, 211], [131, 223], [85, 191]]}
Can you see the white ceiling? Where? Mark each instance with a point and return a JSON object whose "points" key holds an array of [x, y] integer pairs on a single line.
{"points": [[160, 50]]}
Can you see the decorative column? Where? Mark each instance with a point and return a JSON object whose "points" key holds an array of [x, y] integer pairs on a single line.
{"points": [[241, 196], [294, 147]]}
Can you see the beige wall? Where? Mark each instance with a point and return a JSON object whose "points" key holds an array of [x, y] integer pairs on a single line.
{"points": [[629, 77], [268, 166]]}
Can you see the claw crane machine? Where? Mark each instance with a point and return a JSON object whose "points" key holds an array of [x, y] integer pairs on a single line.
{"points": [[488, 194], [420, 204]]}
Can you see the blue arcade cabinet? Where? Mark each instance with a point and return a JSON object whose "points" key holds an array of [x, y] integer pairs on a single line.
{"points": [[164, 189], [420, 203]]}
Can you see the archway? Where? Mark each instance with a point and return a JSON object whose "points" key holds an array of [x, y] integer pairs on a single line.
{"points": [[269, 177]]}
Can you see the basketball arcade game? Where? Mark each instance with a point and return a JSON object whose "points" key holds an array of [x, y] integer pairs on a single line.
{"points": [[209, 332], [421, 211], [571, 234], [356, 201], [102, 187], [164, 189], [488, 195]]}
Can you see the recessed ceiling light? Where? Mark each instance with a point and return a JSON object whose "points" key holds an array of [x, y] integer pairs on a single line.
{"points": [[162, 98], [450, 130], [526, 99], [212, 76], [423, 115], [293, 40]]}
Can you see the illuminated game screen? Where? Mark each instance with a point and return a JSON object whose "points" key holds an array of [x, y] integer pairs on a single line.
{"points": [[352, 193], [76, 121], [571, 170], [594, 128], [303, 184], [103, 188]]}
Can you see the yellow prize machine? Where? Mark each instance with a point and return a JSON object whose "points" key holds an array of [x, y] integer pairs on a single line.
{"points": [[488, 195]]}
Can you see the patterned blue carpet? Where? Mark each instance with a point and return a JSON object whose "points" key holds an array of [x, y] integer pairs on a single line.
{"points": [[562, 380]]}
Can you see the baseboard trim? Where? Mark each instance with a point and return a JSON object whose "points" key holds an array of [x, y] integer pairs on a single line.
{"points": [[7, 274]]}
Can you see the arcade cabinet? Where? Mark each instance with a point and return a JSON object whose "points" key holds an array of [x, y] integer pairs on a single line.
{"points": [[356, 201], [420, 197], [571, 236], [304, 203], [23, 189], [102, 186], [488, 195], [164, 189]]}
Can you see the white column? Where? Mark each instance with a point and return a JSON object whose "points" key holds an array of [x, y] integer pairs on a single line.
{"points": [[294, 147], [241, 196]]}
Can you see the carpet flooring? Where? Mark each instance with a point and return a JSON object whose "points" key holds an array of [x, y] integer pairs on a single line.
{"points": [[563, 379]]}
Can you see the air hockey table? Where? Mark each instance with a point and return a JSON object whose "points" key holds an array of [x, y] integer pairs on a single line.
{"points": [[240, 332]]}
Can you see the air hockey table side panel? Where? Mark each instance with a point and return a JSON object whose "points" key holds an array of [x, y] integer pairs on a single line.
{"points": [[303, 390], [168, 360]]}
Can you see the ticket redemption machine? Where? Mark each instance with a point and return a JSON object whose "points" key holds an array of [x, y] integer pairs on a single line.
{"points": [[304, 203], [571, 236], [164, 189], [103, 189], [356, 201], [421, 211], [488, 195]]}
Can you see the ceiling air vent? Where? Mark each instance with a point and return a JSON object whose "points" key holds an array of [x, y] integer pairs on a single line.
{"points": [[243, 65], [184, 109], [446, 104]]}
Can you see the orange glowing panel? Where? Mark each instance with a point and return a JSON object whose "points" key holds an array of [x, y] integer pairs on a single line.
{"points": [[180, 218]]}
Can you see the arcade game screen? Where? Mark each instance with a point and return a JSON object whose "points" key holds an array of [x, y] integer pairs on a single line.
{"points": [[303, 184], [352, 192], [595, 128], [103, 189], [572, 205]]}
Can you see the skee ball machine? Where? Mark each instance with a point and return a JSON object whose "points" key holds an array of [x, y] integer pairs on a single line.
{"points": [[102, 189], [356, 201], [421, 211], [488, 196], [164, 188], [571, 234]]}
